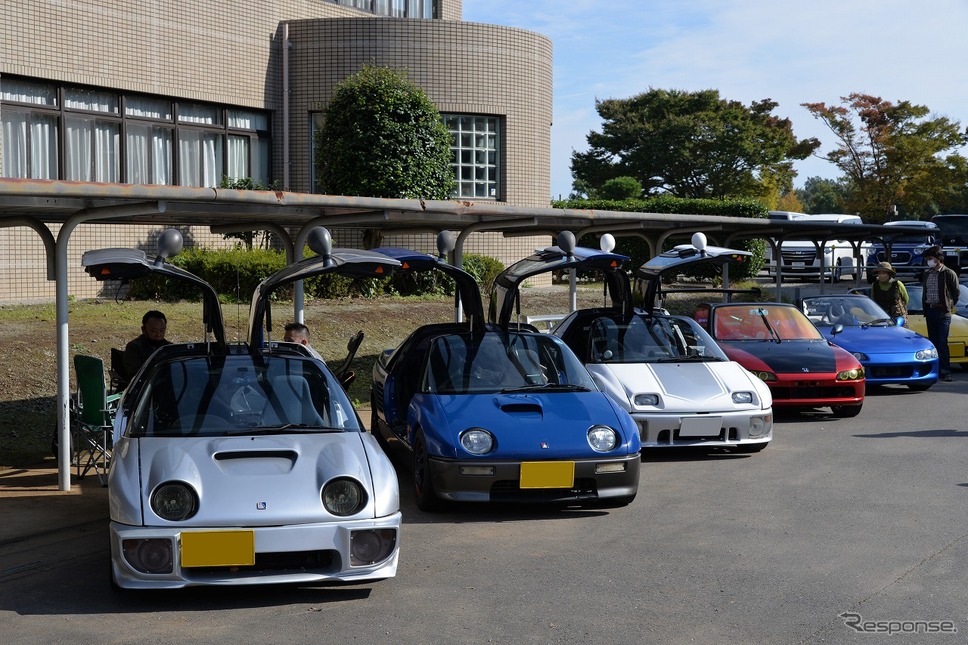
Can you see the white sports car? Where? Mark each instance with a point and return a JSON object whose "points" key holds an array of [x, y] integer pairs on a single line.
{"points": [[245, 463], [666, 371]]}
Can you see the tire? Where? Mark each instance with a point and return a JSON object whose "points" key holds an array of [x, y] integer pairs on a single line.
{"points": [[423, 485], [846, 411]]}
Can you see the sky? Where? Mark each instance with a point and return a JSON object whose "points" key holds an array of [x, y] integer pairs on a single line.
{"points": [[749, 50]]}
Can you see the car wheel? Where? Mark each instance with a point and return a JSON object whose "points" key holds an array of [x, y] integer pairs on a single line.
{"points": [[846, 411], [920, 387], [423, 486]]}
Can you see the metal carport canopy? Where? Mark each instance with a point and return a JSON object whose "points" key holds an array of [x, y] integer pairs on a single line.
{"points": [[39, 203]]}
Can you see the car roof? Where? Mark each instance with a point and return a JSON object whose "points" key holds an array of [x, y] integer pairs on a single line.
{"points": [[554, 258], [130, 264], [467, 288]]}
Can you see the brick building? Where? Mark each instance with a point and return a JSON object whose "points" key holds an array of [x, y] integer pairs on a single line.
{"points": [[184, 94]]}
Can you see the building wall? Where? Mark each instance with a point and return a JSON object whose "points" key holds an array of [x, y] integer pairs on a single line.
{"points": [[230, 52], [464, 68]]}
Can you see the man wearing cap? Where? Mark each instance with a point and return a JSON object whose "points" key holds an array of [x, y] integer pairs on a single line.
{"points": [[888, 292], [938, 298]]}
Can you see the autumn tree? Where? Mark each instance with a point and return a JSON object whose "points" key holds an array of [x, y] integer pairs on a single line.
{"points": [[691, 144], [382, 137], [894, 154]]}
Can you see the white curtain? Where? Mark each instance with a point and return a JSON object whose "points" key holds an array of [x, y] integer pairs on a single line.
{"points": [[15, 145], [77, 148], [238, 157], [91, 150], [199, 158], [149, 155]]}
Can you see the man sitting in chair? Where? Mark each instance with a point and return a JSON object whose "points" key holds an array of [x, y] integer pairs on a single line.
{"points": [[153, 328]]}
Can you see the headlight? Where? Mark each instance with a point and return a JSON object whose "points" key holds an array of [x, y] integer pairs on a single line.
{"points": [[477, 441], [369, 546], [343, 497], [646, 399], [763, 375], [861, 356], [602, 438], [851, 375], [174, 501], [742, 397], [926, 354], [760, 425]]}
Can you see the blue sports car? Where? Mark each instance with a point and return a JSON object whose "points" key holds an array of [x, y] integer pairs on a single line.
{"points": [[486, 413], [890, 354]]}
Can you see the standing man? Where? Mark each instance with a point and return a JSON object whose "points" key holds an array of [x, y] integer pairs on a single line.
{"points": [[153, 328], [938, 297]]}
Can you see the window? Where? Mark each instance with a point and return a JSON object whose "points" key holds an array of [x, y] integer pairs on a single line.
{"points": [[394, 8], [475, 147], [89, 134]]}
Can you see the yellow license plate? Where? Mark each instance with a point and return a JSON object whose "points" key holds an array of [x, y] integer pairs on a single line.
{"points": [[218, 549], [547, 474]]}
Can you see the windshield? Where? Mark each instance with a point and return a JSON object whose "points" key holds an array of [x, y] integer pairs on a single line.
{"points": [[954, 228], [847, 311], [496, 361], [914, 297], [240, 394], [771, 321], [644, 339]]}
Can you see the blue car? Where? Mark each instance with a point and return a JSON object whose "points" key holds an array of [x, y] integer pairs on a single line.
{"points": [[489, 413], [891, 354]]}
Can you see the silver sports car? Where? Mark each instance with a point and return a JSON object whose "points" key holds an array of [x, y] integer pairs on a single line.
{"points": [[245, 463]]}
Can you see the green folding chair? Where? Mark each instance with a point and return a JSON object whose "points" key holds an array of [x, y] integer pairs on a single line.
{"points": [[92, 417]]}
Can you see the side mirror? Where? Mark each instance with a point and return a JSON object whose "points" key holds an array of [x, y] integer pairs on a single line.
{"points": [[899, 321], [836, 329]]}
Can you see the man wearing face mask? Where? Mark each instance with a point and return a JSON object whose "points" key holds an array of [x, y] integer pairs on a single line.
{"points": [[938, 298], [888, 292]]}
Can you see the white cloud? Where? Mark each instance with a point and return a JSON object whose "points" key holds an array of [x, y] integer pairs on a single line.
{"points": [[791, 52]]}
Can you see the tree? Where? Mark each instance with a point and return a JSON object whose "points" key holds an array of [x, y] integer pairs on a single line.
{"points": [[820, 195], [382, 137], [691, 144], [621, 188], [894, 155]]}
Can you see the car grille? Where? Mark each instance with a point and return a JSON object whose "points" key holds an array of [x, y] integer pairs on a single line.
{"points": [[813, 392], [509, 490], [890, 371], [798, 256], [316, 561], [897, 257]]}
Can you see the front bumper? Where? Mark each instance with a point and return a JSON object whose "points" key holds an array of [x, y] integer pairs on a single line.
{"points": [[814, 391], [901, 373], [502, 482], [306, 554], [713, 430]]}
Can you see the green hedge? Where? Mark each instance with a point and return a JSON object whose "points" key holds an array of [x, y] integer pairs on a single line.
{"points": [[637, 249], [235, 274]]}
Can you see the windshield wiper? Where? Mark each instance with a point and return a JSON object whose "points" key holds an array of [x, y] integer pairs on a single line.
{"points": [[879, 321], [282, 428], [766, 321], [689, 359], [547, 387]]}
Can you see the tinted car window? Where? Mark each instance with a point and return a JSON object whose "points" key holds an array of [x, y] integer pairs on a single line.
{"points": [[218, 395], [463, 364], [763, 322], [643, 339]]}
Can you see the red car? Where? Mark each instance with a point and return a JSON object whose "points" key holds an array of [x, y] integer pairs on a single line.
{"points": [[780, 345]]}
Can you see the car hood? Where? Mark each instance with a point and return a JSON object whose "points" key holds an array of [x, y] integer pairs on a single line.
{"points": [[787, 357], [878, 340], [685, 387], [530, 425], [251, 480]]}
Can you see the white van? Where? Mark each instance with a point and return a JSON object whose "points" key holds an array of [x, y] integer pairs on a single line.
{"points": [[800, 256]]}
